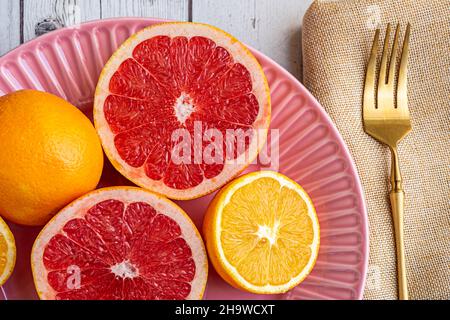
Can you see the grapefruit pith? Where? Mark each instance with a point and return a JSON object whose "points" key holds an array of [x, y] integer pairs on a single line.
{"points": [[120, 243], [182, 108]]}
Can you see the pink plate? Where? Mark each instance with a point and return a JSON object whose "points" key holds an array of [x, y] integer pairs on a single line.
{"points": [[67, 62]]}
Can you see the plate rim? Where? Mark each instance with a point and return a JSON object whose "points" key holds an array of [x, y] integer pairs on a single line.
{"points": [[315, 103]]}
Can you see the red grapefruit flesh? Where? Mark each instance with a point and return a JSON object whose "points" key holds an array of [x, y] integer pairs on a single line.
{"points": [[175, 76], [120, 243]]}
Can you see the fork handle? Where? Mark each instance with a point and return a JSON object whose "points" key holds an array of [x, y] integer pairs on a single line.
{"points": [[397, 201], [397, 196]]}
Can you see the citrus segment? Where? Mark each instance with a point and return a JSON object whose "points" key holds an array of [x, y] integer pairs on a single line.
{"points": [[120, 243], [7, 252], [262, 233], [181, 76]]}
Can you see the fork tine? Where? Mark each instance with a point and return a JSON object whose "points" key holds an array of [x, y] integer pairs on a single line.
{"points": [[382, 80], [369, 84], [393, 60], [402, 99]]}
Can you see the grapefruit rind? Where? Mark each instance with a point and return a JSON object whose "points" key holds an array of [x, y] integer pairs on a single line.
{"points": [[212, 232], [240, 54], [11, 253], [79, 208]]}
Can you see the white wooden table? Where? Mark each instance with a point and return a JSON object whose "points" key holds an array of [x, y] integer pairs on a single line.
{"points": [[271, 26]]}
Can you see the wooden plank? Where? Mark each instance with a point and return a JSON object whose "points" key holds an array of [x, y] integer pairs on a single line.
{"points": [[9, 25], [273, 27], [41, 16], [168, 9]]}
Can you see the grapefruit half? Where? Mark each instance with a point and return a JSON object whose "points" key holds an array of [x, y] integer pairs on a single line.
{"points": [[120, 243], [182, 108]]}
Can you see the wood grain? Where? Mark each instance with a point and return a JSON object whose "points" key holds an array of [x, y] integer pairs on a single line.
{"points": [[9, 25]]}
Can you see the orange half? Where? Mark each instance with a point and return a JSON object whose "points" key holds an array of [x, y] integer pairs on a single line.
{"points": [[7, 252], [174, 80]]}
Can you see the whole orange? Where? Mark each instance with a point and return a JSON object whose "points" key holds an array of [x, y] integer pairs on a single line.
{"points": [[50, 155]]}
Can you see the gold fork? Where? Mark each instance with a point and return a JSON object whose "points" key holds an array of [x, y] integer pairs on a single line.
{"points": [[386, 118]]}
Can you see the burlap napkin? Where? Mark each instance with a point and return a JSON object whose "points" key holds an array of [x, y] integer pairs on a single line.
{"points": [[337, 37]]}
